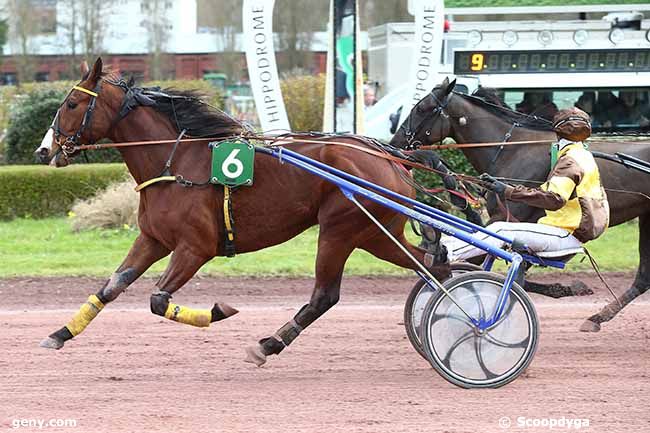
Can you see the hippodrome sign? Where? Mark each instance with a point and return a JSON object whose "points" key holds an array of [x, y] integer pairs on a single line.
{"points": [[263, 71], [257, 23], [429, 29]]}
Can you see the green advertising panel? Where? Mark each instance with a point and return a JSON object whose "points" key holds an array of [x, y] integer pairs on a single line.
{"points": [[232, 163]]}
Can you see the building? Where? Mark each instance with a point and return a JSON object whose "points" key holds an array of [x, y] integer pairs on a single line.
{"points": [[126, 36]]}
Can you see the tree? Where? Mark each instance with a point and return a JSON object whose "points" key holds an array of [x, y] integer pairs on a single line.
{"points": [[4, 28], [70, 26], [22, 26], [83, 22], [93, 16], [158, 26], [223, 18], [377, 12], [295, 24]]}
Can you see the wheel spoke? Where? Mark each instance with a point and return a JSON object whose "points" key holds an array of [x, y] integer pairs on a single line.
{"points": [[478, 341], [461, 319], [463, 338], [501, 352], [493, 340]]}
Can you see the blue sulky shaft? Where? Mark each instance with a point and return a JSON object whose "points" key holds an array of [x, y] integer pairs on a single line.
{"points": [[422, 207], [448, 224]]}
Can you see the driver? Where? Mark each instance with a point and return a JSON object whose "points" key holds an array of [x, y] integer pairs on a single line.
{"points": [[573, 197]]}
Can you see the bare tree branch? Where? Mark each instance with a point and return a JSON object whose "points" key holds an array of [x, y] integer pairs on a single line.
{"points": [[158, 27], [223, 19], [22, 26]]}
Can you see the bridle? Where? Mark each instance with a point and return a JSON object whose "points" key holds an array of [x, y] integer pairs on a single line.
{"points": [[68, 143], [407, 126]]}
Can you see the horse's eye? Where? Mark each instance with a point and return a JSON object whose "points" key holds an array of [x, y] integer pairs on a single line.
{"points": [[72, 105], [422, 108]]}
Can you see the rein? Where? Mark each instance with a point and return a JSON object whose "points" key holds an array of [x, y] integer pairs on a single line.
{"points": [[274, 141], [140, 143], [265, 138], [70, 146], [489, 144]]}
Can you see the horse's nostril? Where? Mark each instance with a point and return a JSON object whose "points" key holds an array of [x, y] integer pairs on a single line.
{"points": [[43, 154]]}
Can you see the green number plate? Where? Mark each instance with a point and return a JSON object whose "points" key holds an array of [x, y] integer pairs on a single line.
{"points": [[232, 163]]}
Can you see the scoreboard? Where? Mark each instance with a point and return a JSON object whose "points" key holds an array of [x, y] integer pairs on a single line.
{"points": [[551, 61]]}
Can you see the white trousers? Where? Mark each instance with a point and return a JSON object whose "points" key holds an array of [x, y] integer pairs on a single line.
{"points": [[540, 238]]}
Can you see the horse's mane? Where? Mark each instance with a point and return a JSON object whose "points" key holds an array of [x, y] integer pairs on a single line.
{"points": [[490, 95], [188, 110], [488, 100]]}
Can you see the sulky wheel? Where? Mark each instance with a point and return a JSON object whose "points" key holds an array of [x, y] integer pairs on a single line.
{"points": [[417, 300], [466, 357]]}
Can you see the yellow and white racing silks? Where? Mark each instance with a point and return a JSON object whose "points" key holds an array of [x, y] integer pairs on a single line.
{"points": [[573, 196]]}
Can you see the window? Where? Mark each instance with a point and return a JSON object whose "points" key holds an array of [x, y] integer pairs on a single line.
{"points": [[611, 109], [9, 79], [42, 76]]}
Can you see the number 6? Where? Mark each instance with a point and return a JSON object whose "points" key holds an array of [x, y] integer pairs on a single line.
{"points": [[230, 161]]}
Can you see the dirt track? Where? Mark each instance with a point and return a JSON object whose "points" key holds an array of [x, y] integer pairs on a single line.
{"points": [[352, 371]]}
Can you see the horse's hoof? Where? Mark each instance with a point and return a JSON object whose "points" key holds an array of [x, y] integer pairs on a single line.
{"points": [[51, 343], [254, 355], [227, 310], [580, 289], [589, 326]]}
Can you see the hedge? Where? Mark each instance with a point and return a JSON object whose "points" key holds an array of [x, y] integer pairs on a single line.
{"points": [[27, 112], [303, 96], [43, 191]]}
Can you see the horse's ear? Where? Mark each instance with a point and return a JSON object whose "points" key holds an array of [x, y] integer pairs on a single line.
{"points": [[131, 82], [445, 83], [84, 69], [96, 73], [450, 86]]}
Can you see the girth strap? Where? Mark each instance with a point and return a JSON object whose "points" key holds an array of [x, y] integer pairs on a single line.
{"points": [[229, 223], [145, 184]]}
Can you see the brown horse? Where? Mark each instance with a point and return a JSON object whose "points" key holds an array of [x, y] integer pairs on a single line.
{"points": [[469, 119], [188, 222]]}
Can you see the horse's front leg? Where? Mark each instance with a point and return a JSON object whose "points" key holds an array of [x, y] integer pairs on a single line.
{"points": [[144, 252], [185, 262]]}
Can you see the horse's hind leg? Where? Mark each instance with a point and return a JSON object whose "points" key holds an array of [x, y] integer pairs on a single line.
{"points": [[640, 286], [185, 262], [144, 252], [330, 261], [384, 248]]}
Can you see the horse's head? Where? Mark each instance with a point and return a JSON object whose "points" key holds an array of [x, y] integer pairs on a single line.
{"points": [[427, 123], [85, 116]]}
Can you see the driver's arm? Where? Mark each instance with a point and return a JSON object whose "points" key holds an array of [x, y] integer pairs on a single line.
{"points": [[554, 193]]}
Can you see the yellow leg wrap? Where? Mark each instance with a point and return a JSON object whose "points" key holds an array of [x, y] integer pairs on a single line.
{"points": [[188, 316], [85, 315]]}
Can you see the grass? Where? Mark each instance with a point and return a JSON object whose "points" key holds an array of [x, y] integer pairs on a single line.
{"points": [[48, 247]]}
